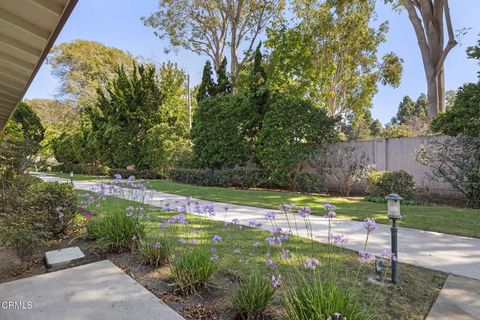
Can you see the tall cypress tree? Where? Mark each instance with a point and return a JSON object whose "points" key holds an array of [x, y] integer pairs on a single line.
{"points": [[207, 87], [224, 86], [259, 94], [259, 87]]}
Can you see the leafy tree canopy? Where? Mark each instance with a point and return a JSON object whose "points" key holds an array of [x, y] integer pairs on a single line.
{"points": [[208, 27], [408, 109], [83, 66], [464, 116], [330, 55], [21, 139], [130, 106]]}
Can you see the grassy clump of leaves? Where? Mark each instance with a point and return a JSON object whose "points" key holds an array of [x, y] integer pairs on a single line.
{"points": [[193, 268], [252, 296], [156, 251], [116, 229], [310, 298]]}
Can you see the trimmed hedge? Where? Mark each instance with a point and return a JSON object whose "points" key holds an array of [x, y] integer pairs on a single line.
{"points": [[243, 178], [240, 178], [379, 184], [80, 168], [139, 174]]}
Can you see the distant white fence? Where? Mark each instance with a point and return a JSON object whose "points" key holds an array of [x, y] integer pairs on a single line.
{"points": [[393, 154]]}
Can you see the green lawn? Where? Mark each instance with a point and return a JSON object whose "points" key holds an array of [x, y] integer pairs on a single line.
{"points": [[458, 221], [411, 300]]}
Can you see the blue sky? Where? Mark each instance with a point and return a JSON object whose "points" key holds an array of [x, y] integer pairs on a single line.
{"points": [[117, 23]]}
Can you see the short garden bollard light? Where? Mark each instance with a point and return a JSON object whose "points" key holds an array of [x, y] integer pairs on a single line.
{"points": [[71, 177], [393, 202]]}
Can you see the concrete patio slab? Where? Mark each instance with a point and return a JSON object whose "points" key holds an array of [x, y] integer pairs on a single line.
{"points": [[458, 300], [62, 257], [98, 290]]}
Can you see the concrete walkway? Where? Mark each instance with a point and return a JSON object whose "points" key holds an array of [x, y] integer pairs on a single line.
{"points": [[448, 253], [95, 291], [459, 300]]}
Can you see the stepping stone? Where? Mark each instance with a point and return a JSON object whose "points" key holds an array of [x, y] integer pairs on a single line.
{"points": [[59, 258]]}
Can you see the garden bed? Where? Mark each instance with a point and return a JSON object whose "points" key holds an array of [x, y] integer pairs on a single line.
{"points": [[411, 299]]}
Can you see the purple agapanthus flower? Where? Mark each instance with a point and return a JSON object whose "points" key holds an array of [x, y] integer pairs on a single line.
{"points": [[157, 245], [270, 262], [330, 214], [216, 238], [271, 240], [182, 241], [329, 207], [285, 254], [117, 176], [271, 215], [210, 209], [339, 239], [193, 241], [369, 224], [131, 178], [311, 263], [304, 212], [276, 281], [179, 218], [365, 257], [388, 254], [236, 221], [256, 244], [255, 224]]}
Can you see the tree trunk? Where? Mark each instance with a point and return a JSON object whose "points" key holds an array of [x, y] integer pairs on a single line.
{"points": [[429, 31]]}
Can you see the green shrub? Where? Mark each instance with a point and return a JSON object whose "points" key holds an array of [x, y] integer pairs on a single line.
{"points": [[253, 295], [313, 299], [116, 229], [193, 268], [23, 241], [379, 184], [55, 204], [309, 183], [156, 252], [20, 225]]}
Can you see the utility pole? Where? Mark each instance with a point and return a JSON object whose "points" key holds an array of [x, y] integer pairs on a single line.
{"points": [[189, 103]]}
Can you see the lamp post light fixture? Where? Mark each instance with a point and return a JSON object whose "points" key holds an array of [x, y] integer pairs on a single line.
{"points": [[71, 177], [393, 213]]}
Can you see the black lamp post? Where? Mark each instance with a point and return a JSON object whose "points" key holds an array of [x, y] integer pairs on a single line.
{"points": [[393, 202]]}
